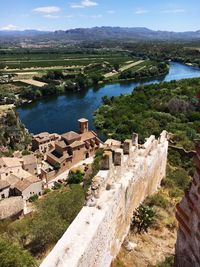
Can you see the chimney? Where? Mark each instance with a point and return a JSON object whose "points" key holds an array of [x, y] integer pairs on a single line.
{"points": [[83, 125]]}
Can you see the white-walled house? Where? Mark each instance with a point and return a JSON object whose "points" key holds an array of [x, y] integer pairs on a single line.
{"points": [[28, 187]]}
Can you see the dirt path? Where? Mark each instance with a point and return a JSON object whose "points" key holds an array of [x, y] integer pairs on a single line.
{"points": [[32, 82]]}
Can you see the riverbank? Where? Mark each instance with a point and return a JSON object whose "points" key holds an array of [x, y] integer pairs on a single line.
{"points": [[59, 113]]}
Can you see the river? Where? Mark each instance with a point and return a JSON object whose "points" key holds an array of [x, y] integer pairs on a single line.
{"points": [[59, 114]]}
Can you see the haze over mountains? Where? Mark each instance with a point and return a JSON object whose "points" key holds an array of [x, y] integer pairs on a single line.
{"points": [[103, 33]]}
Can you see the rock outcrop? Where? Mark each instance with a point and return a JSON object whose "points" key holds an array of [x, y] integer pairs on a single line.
{"points": [[13, 134]]}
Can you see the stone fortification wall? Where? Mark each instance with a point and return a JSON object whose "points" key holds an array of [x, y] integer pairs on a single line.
{"points": [[188, 216], [128, 175]]}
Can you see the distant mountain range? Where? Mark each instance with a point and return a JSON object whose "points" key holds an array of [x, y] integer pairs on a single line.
{"points": [[104, 33]]}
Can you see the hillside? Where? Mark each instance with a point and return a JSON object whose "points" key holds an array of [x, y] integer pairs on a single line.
{"points": [[100, 33]]}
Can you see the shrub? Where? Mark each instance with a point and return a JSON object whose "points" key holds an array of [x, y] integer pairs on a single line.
{"points": [[75, 177], [157, 200], [33, 198], [180, 178], [168, 262], [143, 218], [46, 191], [175, 192], [57, 166], [56, 186]]}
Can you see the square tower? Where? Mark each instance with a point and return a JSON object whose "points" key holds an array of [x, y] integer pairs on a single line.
{"points": [[83, 125]]}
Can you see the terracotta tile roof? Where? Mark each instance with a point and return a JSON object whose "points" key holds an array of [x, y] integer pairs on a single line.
{"points": [[10, 162], [45, 136], [12, 179], [10, 206], [71, 135], [29, 159], [3, 184], [25, 183], [87, 135], [33, 179], [61, 144], [76, 144], [22, 185]]}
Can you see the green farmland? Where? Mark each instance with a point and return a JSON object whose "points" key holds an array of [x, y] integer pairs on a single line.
{"points": [[59, 60]]}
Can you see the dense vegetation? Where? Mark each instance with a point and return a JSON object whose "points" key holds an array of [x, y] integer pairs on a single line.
{"points": [[38, 233], [12, 255], [150, 109], [153, 70]]}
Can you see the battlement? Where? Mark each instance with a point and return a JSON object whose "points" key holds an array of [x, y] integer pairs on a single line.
{"points": [[129, 173]]}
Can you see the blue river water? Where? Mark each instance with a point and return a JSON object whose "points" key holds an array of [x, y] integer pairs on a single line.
{"points": [[60, 113]]}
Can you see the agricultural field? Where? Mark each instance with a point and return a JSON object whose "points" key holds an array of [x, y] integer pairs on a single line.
{"points": [[33, 61]]}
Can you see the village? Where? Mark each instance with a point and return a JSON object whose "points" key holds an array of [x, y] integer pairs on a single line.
{"points": [[24, 178]]}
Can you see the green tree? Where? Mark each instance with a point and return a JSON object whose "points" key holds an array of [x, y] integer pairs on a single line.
{"points": [[75, 177], [12, 255]]}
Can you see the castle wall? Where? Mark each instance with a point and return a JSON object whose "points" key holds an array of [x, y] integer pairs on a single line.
{"points": [[188, 216], [97, 233]]}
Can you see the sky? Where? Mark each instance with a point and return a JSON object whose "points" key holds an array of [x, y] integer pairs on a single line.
{"points": [[176, 15]]}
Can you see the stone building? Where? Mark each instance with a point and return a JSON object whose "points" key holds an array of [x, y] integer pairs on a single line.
{"points": [[28, 187], [73, 147], [188, 216], [29, 164], [44, 141], [18, 176], [9, 166]]}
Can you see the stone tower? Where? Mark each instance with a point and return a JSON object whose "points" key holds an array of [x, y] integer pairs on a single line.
{"points": [[83, 125]]}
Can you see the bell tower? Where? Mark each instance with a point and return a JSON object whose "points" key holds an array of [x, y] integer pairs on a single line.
{"points": [[83, 125]]}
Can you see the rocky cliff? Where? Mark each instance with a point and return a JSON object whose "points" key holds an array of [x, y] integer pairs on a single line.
{"points": [[13, 134]]}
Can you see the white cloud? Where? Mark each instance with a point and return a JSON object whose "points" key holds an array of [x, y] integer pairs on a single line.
{"points": [[47, 9], [76, 6], [9, 27], [84, 3], [88, 3], [177, 10], [49, 16], [141, 11]]}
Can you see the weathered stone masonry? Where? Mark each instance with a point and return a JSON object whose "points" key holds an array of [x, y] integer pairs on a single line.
{"points": [[127, 176], [188, 216]]}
